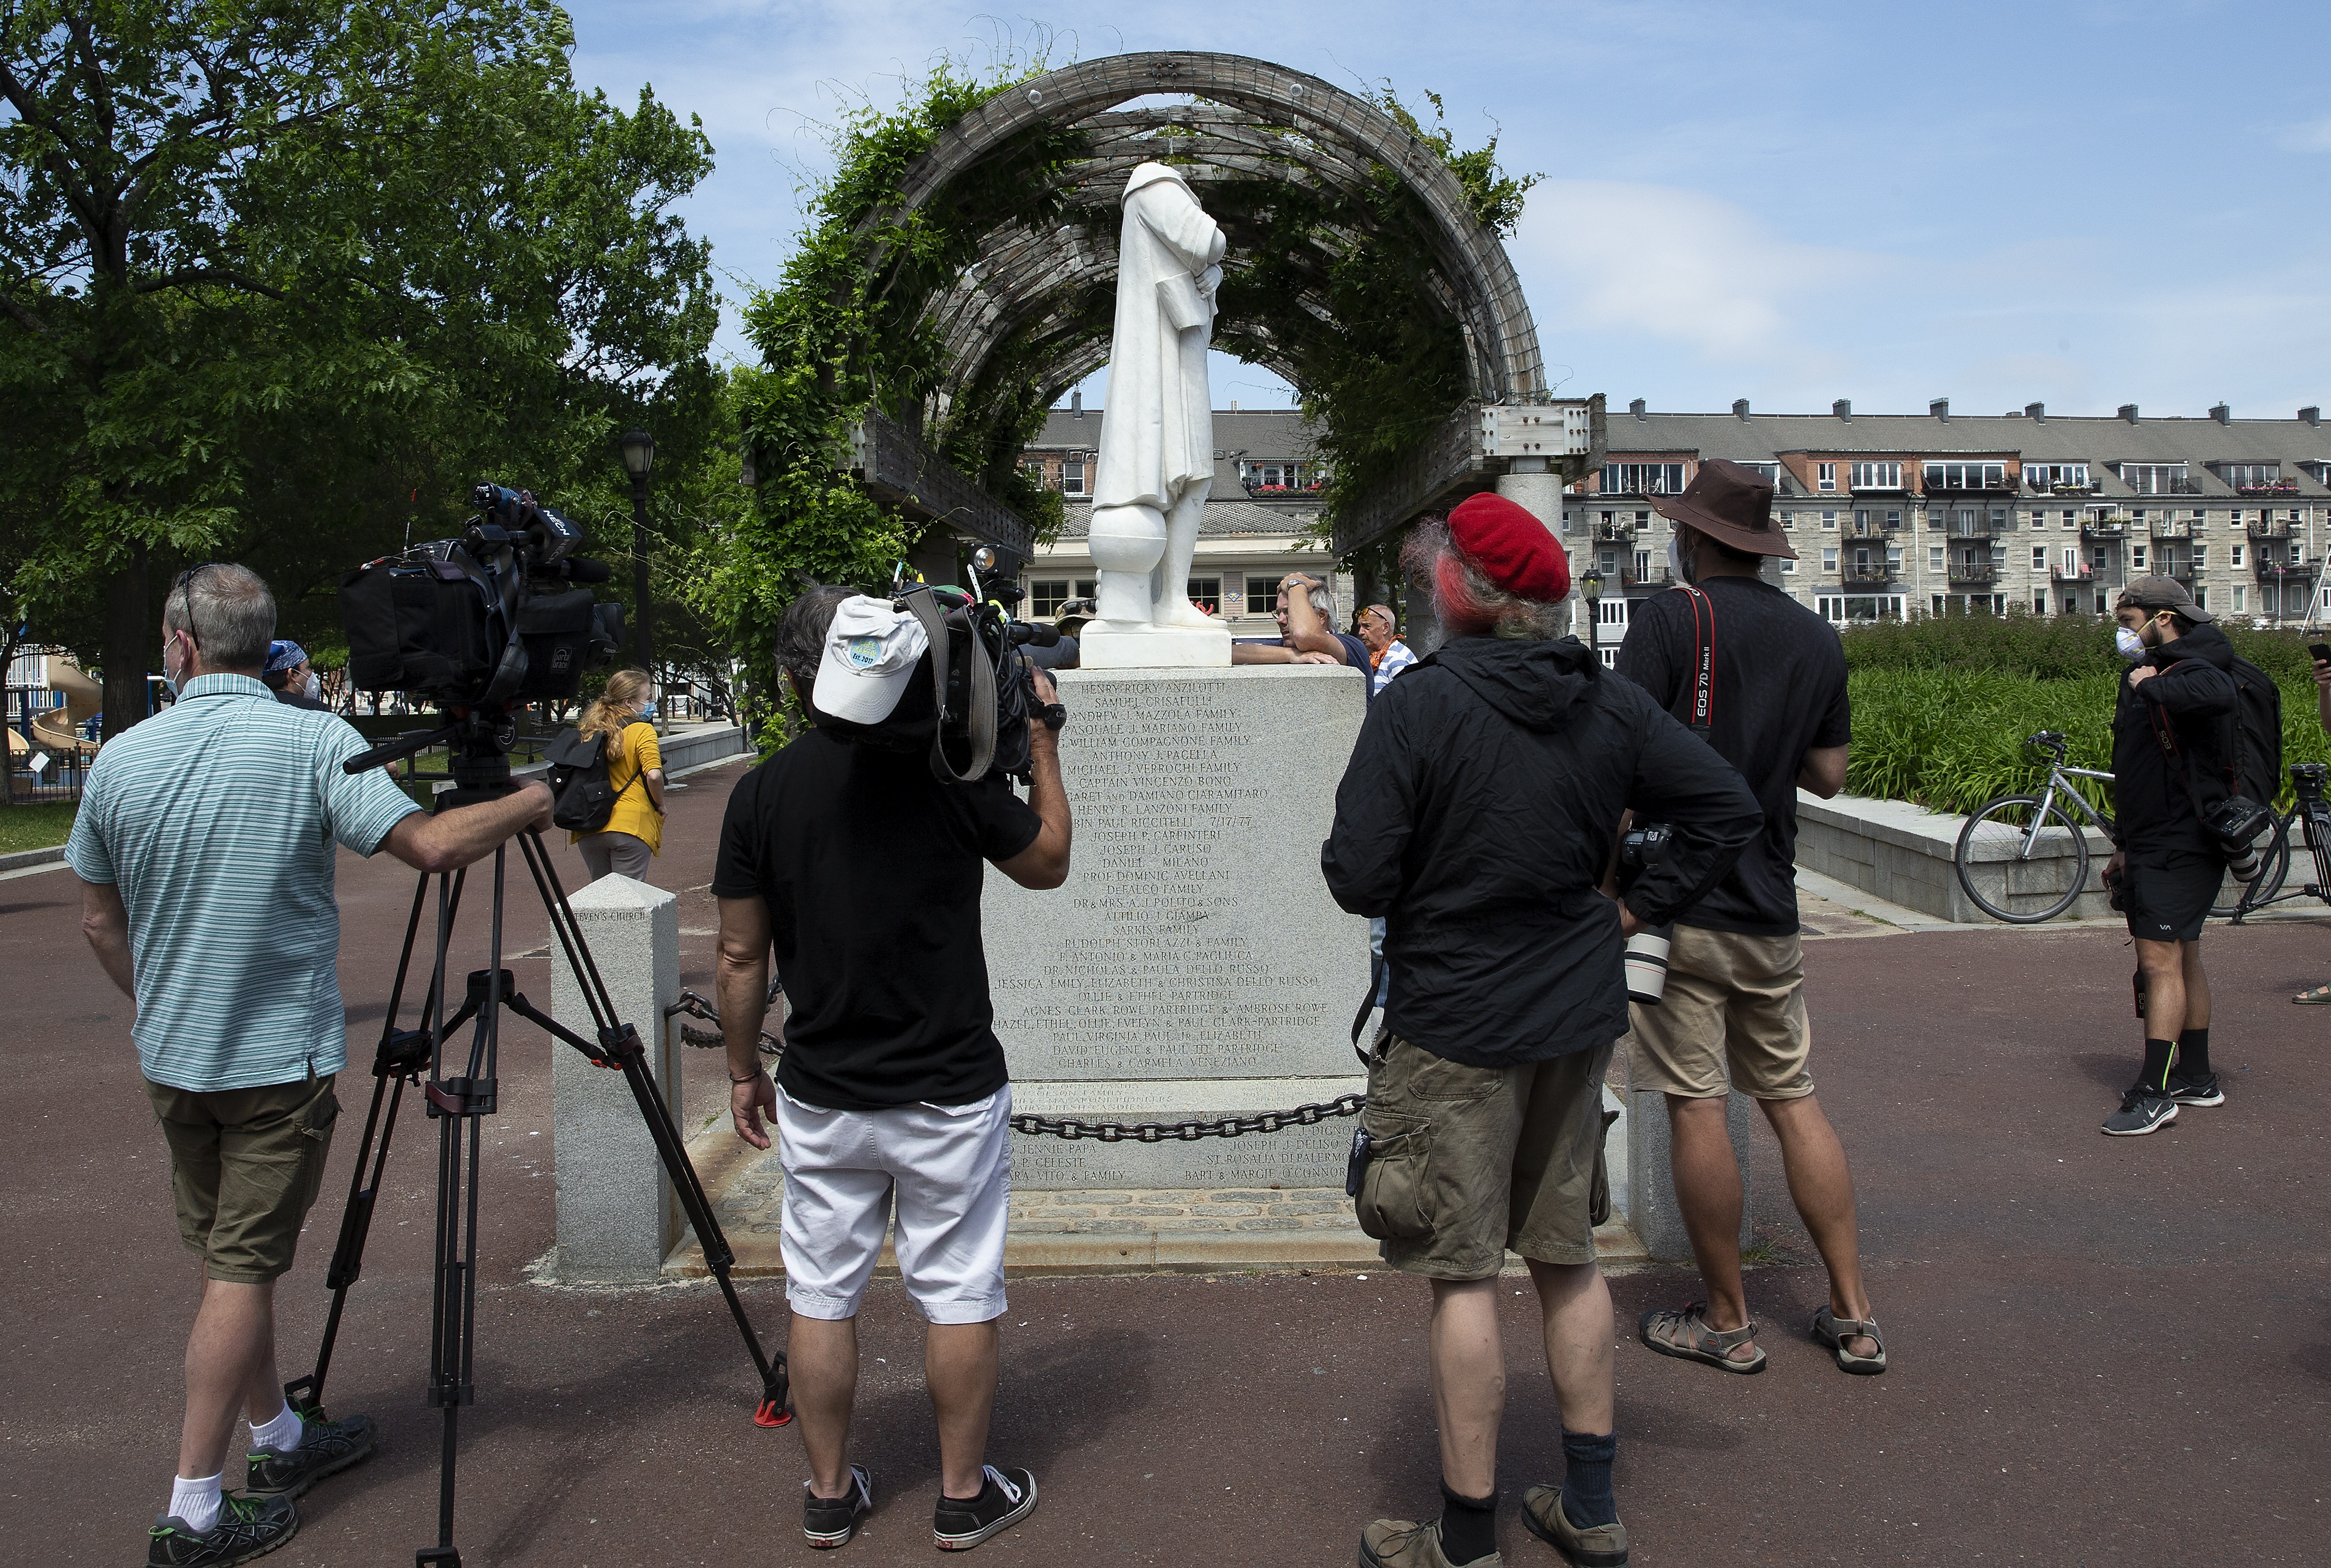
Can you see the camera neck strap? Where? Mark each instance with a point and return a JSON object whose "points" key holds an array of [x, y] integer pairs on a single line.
{"points": [[919, 603], [1700, 717]]}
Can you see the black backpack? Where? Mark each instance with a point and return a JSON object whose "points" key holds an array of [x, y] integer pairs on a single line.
{"points": [[583, 797], [2255, 768]]}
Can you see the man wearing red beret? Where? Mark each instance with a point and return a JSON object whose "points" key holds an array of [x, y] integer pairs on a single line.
{"points": [[1476, 817]]}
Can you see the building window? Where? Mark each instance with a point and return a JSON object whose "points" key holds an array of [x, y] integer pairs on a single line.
{"points": [[2156, 479], [1894, 520], [1967, 476], [1262, 595], [1825, 476], [1934, 557], [1829, 519], [2051, 476], [1828, 560], [1046, 596], [1643, 478], [1034, 469], [2234, 518], [2039, 519], [1861, 521], [2201, 557], [2039, 558], [1642, 519], [1073, 479], [2136, 559], [1610, 562], [1787, 564], [1206, 593], [1999, 517], [1876, 476], [2201, 597], [1789, 520], [2039, 604], [2241, 597], [1769, 472], [2239, 475], [2235, 560], [2072, 520]]}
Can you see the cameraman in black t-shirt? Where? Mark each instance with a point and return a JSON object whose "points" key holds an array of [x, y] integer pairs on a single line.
{"points": [[862, 872], [1733, 1016]]}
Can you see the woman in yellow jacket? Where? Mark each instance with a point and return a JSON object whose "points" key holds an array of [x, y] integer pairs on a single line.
{"points": [[635, 830]]}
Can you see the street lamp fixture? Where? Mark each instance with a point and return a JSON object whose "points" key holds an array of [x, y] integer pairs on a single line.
{"points": [[638, 459], [1590, 583]]}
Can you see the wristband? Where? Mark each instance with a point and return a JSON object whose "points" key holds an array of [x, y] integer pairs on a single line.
{"points": [[1053, 716], [754, 1077]]}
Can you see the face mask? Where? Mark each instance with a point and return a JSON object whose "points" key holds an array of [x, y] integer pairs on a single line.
{"points": [[649, 711], [1675, 561], [2130, 644], [314, 689], [168, 680]]}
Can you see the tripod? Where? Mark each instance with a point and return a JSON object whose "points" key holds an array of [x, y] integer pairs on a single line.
{"points": [[461, 1092]]}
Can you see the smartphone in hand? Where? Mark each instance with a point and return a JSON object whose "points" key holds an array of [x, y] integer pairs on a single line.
{"points": [[2319, 651]]}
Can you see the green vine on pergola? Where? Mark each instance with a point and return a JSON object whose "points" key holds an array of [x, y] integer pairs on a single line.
{"points": [[1332, 284]]}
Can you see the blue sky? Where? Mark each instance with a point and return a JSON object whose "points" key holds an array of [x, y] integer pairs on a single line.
{"points": [[2087, 205]]}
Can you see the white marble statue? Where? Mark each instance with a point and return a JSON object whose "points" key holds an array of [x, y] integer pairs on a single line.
{"points": [[1157, 434]]}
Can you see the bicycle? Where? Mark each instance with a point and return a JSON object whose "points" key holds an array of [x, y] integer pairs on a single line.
{"points": [[2312, 816], [2011, 856]]}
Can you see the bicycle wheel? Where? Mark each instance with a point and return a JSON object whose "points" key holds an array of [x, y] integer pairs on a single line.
{"points": [[2236, 899], [2020, 864]]}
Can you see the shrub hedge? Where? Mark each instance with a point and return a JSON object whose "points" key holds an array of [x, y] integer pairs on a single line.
{"points": [[1941, 706]]}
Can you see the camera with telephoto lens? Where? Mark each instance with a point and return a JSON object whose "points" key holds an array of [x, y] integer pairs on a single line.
{"points": [[1640, 849], [493, 618]]}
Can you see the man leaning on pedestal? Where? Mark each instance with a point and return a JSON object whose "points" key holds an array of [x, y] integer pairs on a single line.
{"points": [[1733, 1016], [1476, 815], [862, 872], [1306, 612], [205, 846]]}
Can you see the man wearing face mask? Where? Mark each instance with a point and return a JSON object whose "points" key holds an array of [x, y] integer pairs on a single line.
{"points": [[1733, 1016], [2172, 727], [289, 677]]}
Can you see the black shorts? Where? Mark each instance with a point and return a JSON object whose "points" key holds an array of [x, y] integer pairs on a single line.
{"points": [[2170, 892]]}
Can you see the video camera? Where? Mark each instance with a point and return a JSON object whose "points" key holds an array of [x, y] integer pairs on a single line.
{"points": [[477, 625], [491, 617]]}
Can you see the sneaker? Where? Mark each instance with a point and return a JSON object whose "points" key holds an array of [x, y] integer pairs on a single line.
{"points": [[1007, 1498], [1595, 1546], [246, 1527], [830, 1522], [1404, 1543], [325, 1449], [2141, 1110], [2196, 1091]]}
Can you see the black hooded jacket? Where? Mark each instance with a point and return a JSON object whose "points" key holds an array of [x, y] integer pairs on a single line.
{"points": [[1477, 816], [2194, 694]]}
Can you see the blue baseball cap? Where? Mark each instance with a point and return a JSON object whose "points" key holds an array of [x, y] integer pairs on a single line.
{"points": [[283, 654]]}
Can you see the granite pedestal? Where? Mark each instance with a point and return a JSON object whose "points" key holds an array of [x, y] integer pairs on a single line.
{"points": [[1194, 966]]}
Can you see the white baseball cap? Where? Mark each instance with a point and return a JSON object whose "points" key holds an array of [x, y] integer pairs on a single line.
{"points": [[871, 651]]}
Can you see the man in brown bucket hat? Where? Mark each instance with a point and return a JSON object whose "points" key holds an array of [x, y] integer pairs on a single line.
{"points": [[1762, 679]]}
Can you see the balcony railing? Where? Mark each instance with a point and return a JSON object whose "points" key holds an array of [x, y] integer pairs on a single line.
{"points": [[2104, 529], [2284, 572], [1980, 528], [1658, 578], [1871, 530], [2273, 487], [2271, 529], [1973, 572], [1614, 533], [2185, 487], [2172, 529], [2001, 487], [2061, 573], [2038, 488], [1869, 573]]}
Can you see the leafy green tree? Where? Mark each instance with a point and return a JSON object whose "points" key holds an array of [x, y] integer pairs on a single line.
{"points": [[290, 273]]}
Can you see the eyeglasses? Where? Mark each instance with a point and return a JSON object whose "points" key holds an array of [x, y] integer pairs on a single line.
{"points": [[184, 586]]}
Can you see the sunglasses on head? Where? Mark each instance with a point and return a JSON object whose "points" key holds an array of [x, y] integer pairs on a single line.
{"points": [[184, 587]]}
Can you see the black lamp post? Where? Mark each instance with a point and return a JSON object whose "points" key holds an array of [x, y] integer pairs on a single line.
{"points": [[639, 457], [1591, 584]]}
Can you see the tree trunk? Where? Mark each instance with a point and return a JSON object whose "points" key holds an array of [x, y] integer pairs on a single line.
{"points": [[129, 635]]}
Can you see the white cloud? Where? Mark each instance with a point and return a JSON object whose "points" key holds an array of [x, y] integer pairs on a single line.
{"points": [[1673, 263], [2314, 136]]}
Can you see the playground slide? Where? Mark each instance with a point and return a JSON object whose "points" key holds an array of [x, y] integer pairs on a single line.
{"points": [[57, 729]]}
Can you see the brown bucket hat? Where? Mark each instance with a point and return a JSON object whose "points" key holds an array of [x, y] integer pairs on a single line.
{"points": [[1731, 504]]}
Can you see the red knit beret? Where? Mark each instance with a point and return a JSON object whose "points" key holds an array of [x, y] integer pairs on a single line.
{"points": [[1512, 546]]}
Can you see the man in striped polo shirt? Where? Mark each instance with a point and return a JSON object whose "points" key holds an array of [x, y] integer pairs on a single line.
{"points": [[205, 845]]}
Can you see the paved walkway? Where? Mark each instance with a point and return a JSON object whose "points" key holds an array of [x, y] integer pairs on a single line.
{"points": [[2107, 1351]]}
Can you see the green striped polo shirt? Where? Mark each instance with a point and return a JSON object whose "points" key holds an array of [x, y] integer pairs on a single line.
{"points": [[218, 820]]}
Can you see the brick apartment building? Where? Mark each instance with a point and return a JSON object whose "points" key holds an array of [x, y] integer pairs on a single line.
{"points": [[1890, 513]]}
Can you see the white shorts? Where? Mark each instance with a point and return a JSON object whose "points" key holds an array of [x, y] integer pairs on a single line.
{"points": [[951, 1166]]}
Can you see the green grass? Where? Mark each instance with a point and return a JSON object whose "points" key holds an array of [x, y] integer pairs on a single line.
{"points": [[34, 827]]}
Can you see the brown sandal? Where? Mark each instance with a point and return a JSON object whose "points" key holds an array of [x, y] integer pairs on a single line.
{"points": [[1686, 1336], [1834, 1331]]}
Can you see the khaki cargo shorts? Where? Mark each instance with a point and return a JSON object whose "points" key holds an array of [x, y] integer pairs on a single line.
{"points": [[1733, 1016], [1470, 1161], [245, 1165]]}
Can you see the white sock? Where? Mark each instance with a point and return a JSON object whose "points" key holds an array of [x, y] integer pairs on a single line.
{"points": [[196, 1502], [281, 1434]]}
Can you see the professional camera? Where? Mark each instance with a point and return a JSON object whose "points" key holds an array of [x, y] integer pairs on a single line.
{"points": [[970, 702], [1640, 849], [491, 618]]}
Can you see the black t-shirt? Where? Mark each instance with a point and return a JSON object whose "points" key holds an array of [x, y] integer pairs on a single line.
{"points": [[870, 868], [1779, 693]]}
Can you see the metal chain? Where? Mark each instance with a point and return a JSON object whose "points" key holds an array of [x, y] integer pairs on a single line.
{"points": [[692, 1005], [1349, 1104]]}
